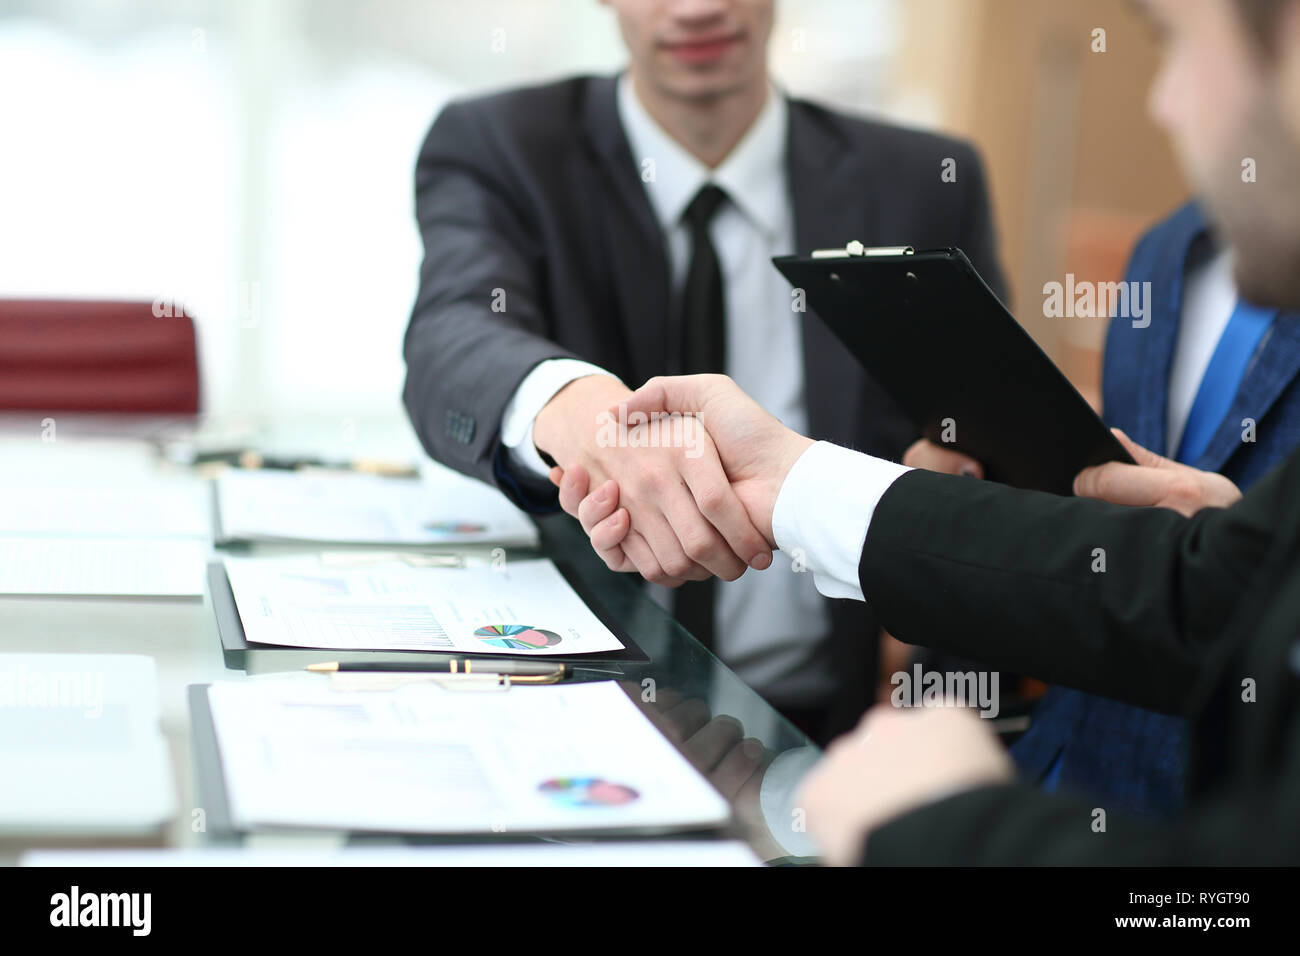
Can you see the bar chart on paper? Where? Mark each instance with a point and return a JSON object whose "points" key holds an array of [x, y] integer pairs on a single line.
{"points": [[390, 626]]}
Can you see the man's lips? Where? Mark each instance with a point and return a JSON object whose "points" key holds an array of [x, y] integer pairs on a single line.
{"points": [[702, 51]]}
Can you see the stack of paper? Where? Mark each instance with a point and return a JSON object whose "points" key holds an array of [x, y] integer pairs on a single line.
{"points": [[140, 538], [568, 757], [617, 853], [347, 508], [102, 567], [81, 750], [517, 607]]}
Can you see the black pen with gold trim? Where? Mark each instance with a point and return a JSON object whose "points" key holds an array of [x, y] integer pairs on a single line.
{"points": [[554, 669]]}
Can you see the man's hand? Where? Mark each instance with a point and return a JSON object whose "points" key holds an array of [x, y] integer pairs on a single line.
{"points": [[756, 450], [684, 520], [1155, 481], [606, 522], [927, 455], [896, 761]]}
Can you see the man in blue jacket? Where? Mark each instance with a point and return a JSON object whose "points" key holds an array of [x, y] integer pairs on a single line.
{"points": [[1210, 382], [1213, 383]]}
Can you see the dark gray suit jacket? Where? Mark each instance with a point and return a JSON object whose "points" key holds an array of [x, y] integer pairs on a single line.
{"points": [[535, 192]]}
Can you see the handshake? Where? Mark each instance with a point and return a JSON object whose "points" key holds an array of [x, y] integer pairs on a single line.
{"points": [[687, 489]]}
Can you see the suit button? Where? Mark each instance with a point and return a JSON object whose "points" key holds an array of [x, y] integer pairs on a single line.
{"points": [[459, 426]]}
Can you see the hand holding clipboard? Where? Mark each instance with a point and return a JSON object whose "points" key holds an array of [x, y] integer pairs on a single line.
{"points": [[933, 335]]}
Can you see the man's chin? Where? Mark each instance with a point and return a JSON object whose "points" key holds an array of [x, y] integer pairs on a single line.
{"points": [[1265, 242], [1260, 284], [702, 86], [1259, 218]]}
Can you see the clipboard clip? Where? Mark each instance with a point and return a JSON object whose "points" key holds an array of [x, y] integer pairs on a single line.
{"points": [[855, 248]]}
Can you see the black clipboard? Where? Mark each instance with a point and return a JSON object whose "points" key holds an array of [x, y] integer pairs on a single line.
{"points": [[240, 654], [933, 335]]}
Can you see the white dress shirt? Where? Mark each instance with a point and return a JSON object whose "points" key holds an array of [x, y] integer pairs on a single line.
{"points": [[1209, 298], [770, 624], [823, 512]]}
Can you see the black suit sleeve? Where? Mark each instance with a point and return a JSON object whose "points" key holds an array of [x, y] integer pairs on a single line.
{"points": [[1015, 579], [477, 327], [1018, 825]]}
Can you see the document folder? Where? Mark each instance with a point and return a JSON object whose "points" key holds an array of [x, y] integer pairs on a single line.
{"points": [[454, 778], [241, 654]]}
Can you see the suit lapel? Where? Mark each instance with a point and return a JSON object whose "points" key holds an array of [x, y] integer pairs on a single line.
{"points": [[1153, 363], [1169, 279], [1273, 368], [634, 242], [832, 206]]}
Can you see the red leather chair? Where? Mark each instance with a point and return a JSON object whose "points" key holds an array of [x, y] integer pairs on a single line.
{"points": [[85, 356]]}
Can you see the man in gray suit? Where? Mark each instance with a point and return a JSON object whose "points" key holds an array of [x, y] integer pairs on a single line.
{"points": [[585, 235]]}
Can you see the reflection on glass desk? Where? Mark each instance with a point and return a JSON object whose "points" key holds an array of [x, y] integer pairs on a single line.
{"points": [[750, 753]]}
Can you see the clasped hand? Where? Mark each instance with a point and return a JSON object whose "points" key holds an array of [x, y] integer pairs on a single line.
{"points": [[677, 512], [674, 516]]}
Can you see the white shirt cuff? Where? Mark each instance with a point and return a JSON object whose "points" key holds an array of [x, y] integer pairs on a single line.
{"points": [[824, 509], [776, 799], [532, 395]]}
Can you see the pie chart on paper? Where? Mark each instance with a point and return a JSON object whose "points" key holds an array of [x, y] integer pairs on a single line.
{"points": [[517, 637], [455, 527], [587, 792]]}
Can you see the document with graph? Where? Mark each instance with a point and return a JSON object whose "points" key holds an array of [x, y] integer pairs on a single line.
{"points": [[441, 508], [423, 759], [520, 608]]}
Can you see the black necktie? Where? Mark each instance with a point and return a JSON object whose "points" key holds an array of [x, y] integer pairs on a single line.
{"points": [[704, 349]]}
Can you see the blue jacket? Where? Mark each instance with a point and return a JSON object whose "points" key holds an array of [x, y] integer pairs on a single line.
{"points": [[1129, 759]]}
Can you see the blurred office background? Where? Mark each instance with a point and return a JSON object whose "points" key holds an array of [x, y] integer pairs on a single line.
{"points": [[251, 161]]}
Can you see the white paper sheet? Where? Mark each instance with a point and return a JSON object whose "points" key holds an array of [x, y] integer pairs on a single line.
{"points": [[128, 535], [82, 506], [517, 607], [445, 508], [617, 853], [427, 760], [102, 566], [81, 749]]}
